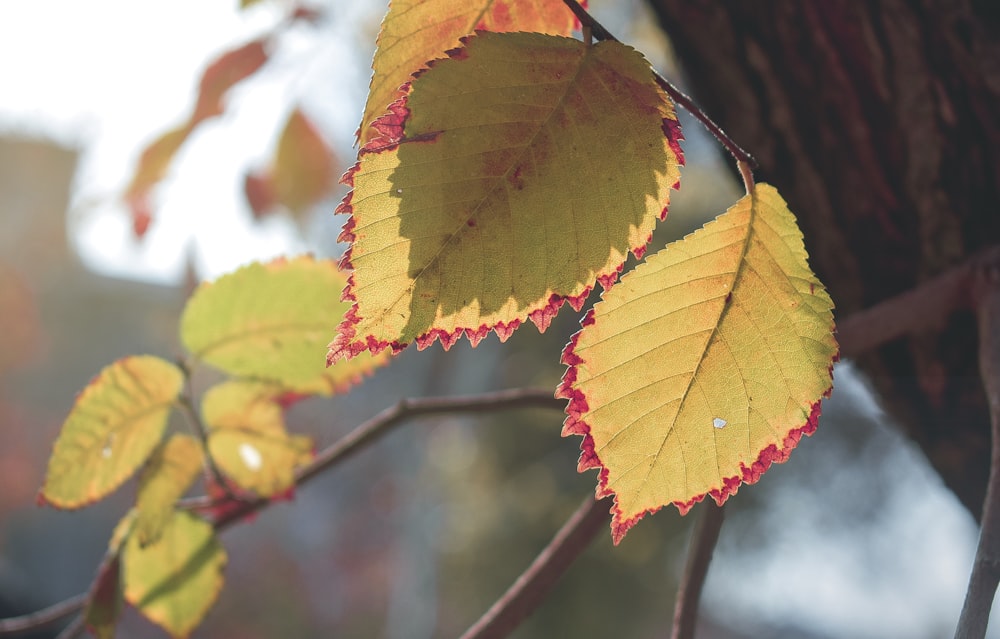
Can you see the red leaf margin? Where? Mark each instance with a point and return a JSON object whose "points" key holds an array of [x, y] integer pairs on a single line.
{"points": [[390, 127], [577, 406]]}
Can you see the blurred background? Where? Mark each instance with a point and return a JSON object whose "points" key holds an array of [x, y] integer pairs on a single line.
{"points": [[854, 537]]}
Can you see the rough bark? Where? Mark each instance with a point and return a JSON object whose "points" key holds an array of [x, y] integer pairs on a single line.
{"points": [[880, 124]]}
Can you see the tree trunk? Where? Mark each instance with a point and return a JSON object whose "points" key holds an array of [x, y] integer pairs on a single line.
{"points": [[880, 124]]}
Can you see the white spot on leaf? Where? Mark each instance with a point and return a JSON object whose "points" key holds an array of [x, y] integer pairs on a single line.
{"points": [[250, 456], [718, 422], [106, 452]]}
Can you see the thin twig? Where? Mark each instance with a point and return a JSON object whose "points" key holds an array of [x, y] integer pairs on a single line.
{"points": [[365, 434], [75, 628], [406, 409], [986, 569], [45, 616], [678, 96], [533, 585], [703, 539], [212, 469]]}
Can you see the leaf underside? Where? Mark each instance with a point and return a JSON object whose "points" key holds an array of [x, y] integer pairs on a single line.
{"points": [[415, 31], [509, 179], [703, 366], [175, 581], [271, 322], [115, 424]]}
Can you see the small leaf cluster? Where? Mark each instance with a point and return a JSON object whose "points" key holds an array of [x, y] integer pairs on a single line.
{"points": [[262, 326]]}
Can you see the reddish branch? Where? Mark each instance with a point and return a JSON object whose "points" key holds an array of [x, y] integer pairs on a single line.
{"points": [[534, 584], [986, 569]]}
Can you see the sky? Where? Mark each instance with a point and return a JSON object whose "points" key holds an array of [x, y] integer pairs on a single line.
{"points": [[107, 76]]}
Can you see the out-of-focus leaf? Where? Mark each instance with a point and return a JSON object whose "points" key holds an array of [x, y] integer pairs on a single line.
{"points": [[512, 177], [106, 597], [104, 606], [224, 73], [219, 77], [270, 322], [247, 437], [258, 188], [175, 581], [114, 425], [304, 165], [171, 470], [704, 365], [416, 31]]}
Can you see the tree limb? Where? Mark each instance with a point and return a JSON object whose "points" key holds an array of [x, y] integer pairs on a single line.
{"points": [[534, 584], [986, 569], [703, 539]]}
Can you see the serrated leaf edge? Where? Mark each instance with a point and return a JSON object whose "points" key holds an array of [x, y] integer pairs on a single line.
{"points": [[390, 135]]}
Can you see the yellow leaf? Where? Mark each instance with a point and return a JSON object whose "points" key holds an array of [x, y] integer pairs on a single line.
{"points": [[512, 177], [169, 473], [174, 582], [415, 31], [704, 365], [271, 322], [247, 437], [113, 427]]}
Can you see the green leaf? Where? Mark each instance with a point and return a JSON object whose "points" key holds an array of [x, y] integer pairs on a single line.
{"points": [[247, 437], [513, 177], [271, 322], [113, 427], [705, 365], [170, 472], [174, 582]]}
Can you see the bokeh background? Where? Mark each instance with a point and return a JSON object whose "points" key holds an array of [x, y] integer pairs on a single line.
{"points": [[854, 537]]}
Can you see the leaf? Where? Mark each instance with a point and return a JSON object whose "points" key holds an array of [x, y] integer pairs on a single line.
{"points": [[224, 73], [270, 322], [511, 177], [112, 428], [170, 472], [247, 437], [304, 165], [415, 31], [174, 582], [219, 77], [705, 364], [104, 603], [105, 599]]}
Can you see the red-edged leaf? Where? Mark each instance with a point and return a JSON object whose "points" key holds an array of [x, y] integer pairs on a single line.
{"points": [[416, 31], [224, 73], [512, 178]]}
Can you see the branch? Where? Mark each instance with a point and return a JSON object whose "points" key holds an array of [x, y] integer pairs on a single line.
{"points": [[986, 569], [43, 617], [703, 539], [678, 96], [371, 430], [365, 434], [534, 584]]}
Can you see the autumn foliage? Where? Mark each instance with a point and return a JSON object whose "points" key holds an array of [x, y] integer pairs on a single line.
{"points": [[505, 169]]}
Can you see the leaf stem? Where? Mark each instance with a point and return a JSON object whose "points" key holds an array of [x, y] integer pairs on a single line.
{"points": [[704, 536], [531, 588], [212, 469], [986, 568], [678, 96]]}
